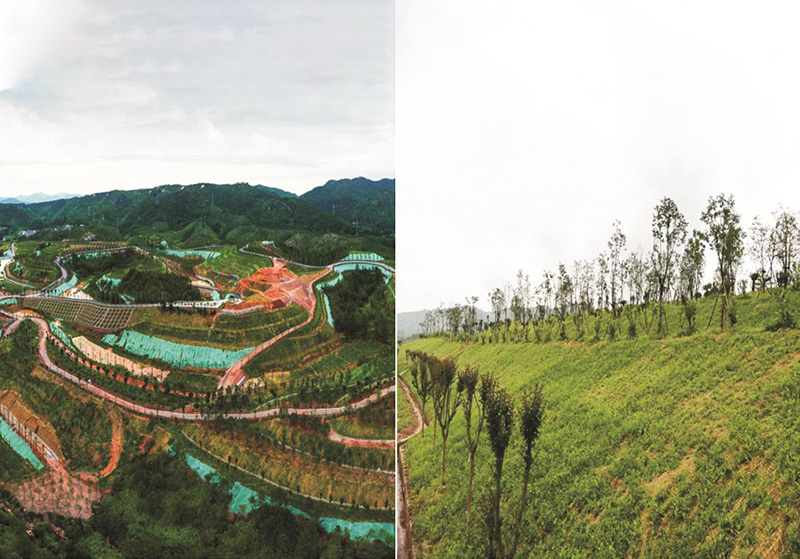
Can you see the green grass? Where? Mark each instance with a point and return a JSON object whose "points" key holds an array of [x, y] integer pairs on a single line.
{"points": [[373, 422], [312, 507], [231, 261], [229, 332], [405, 416], [682, 447], [82, 426]]}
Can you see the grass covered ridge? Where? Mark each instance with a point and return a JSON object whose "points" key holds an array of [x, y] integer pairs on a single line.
{"points": [[683, 447]]}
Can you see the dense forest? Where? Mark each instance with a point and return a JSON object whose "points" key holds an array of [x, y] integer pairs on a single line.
{"points": [[370, 204], [159, 508], [91, 265], [153, 287], [362, 307]]}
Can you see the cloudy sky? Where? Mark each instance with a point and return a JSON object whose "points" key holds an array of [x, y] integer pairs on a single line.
{"points": [[96, 95], [525, 128]]}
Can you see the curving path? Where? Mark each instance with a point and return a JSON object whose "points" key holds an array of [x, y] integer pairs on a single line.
{"points": [[234, 376], [44, 333], [352, 441], [405, 542]]}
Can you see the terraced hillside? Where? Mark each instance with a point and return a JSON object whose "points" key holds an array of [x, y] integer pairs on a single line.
{"points": [[228, 360], [682, 446]]}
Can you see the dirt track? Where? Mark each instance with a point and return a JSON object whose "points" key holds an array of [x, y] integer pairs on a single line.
{"points": [[44, 334], [352, 441], [116, 443], [405, 542]]}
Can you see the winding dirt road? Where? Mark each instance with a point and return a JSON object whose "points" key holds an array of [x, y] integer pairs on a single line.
{"points": [[353, 441], [44, 333], [405, 543]]}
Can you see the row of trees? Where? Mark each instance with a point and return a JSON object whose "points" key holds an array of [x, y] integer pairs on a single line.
{"points": [[673, 270], [483, 403]]}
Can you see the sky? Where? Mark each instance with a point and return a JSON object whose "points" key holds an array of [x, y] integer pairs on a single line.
{"points": [[524, 129], [98, 95]]}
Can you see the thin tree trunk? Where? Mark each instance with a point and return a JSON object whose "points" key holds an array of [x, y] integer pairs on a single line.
{"points": [[526, 477], [469, 486], [713, 309], [444, 460], [498, 536]]}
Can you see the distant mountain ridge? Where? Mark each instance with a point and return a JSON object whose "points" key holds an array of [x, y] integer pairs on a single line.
{"points": [[370, 204], [408, 323], [36, 198], [191, 215]]}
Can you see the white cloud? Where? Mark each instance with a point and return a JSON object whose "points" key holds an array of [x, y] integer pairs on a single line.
{"points": [[525, 129], [122, 95]]}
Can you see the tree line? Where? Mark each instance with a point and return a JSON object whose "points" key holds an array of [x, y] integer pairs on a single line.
{"points": [[637, 285], [487, 407]]}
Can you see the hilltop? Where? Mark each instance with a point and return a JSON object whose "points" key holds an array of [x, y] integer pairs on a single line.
{"points": [[371, 203], [204, 214]]}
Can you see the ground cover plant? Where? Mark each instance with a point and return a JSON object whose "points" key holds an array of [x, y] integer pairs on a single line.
{"points": [[192, 236], [82, 426], [224, 331], [301, 473], [158, 507], [687, 446], [372, 422], [315, 442]]}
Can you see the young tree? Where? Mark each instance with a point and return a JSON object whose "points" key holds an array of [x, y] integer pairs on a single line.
{"points": [[601, 289], [428, 324], [470, 314], [474, 399], [762, 250], [616, 249], [726, 238], [498, 300], [637, 270], [564, 295], [420, 379], [445, 403], [692, 264], [786, 241], [669, 234], [521, 298], [531, 412], [499, 424], [454, 315]]}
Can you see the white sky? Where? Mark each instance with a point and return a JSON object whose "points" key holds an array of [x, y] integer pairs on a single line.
{"points": [[102, 95], [525, 128]]}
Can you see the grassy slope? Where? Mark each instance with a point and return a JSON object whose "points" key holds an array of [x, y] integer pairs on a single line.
{"points": [[681, 447], [405, 416]]}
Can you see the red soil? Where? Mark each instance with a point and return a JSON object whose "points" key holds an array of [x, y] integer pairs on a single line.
{"points": [[116, 444], [276, 287]]}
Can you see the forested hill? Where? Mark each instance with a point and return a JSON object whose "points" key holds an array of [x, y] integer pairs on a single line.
{"points": [[191, 215], [369, 202]]}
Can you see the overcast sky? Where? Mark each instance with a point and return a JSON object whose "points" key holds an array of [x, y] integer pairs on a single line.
{"points": [[525, 128], [96, 95]]}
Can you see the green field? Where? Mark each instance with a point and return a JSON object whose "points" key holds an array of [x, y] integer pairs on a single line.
{"points": [[231, 261], [687, 446], [405, 417], [227, 332]]}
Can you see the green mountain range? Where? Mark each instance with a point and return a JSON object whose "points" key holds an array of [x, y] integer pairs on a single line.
{"points": [[200, 214], [369, 203]]}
